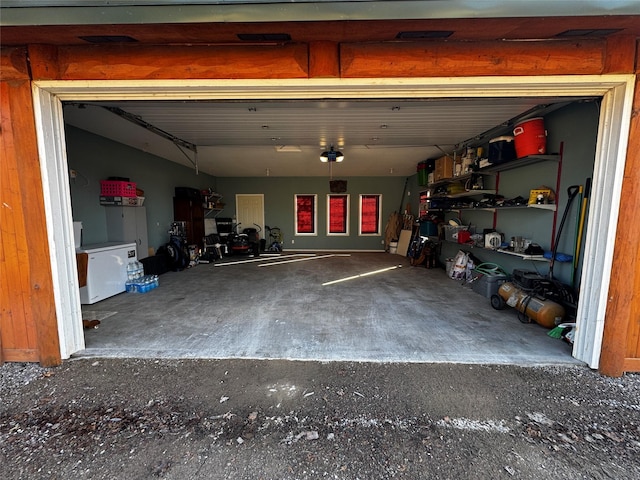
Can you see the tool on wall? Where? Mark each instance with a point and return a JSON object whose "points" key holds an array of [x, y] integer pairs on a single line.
{"points": [[572, 192], [580, 231]]}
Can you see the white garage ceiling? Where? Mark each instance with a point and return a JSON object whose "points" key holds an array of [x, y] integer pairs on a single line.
{"points": [[286, 137]]}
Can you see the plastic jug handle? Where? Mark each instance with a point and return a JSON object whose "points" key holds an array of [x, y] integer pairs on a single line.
{"points": [[518, 130]]}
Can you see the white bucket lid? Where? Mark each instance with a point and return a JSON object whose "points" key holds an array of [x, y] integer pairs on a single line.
{"points": [[504, 138]]}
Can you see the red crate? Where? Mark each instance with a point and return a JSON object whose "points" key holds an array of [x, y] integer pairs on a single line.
{"points": [[117, 188]]}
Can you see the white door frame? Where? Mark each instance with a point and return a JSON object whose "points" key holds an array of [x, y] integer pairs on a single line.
{"points": [[616, 90]]}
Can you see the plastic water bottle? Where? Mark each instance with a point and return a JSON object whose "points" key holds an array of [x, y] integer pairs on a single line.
{"points": [[130, 271]]}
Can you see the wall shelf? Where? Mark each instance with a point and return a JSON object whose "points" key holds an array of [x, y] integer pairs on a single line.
{"points": [[520, 162], [523, 256]]}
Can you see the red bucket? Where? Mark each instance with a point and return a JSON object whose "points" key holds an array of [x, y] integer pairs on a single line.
{"points": [[530, 137]]}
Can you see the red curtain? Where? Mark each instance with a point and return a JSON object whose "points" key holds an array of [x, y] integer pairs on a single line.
{"points": [[338, 214], [370, 213], [305, 213]]}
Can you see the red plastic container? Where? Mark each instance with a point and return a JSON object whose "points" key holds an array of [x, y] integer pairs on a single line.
{"points": [[530, 137], [116, 188]]}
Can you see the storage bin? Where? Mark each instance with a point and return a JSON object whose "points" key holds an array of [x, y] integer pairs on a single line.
{"points": [[120, 201], [488, 285], [451, 232], [423, 174], [117, 188], [428, 229], [501, 150]]}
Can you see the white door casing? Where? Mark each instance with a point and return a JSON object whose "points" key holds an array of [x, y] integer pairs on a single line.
{"points": [[616, 90]]}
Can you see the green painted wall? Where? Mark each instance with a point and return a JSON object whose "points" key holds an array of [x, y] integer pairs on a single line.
{"points": [[279, 193], [96, 158]]}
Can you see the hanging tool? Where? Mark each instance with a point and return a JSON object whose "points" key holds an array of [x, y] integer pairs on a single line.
{"points": [[583, 213], [572, 191]]}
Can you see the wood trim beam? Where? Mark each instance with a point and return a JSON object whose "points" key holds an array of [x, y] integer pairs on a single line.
{"points": [[462, 59], [623, 311], [620, 56], [13, 64], [324, 60], [143, 62]]}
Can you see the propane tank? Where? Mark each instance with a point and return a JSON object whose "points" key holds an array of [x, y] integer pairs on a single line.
{"points": [[542, 311]]}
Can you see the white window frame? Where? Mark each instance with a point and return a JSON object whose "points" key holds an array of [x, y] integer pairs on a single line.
{"points": [[379, 195], [347, 215], [315, 215]]}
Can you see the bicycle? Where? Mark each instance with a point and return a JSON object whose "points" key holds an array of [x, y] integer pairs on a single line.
{"points": [[275, 239]]}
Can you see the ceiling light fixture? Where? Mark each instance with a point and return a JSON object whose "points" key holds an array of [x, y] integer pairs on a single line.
{"points": [[331, 155]]}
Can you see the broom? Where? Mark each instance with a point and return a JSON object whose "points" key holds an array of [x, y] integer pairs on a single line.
{"points": [[557, 331]]}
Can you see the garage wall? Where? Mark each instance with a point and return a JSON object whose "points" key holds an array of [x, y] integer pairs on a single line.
{"points": [[95, 158], [279, 206]]}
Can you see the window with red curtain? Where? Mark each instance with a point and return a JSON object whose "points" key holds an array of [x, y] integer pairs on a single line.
{"points": [[305, 214], [370, 214], [338, 214]]}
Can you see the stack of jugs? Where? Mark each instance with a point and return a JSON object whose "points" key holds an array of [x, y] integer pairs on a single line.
{"points": [[137, 281]]}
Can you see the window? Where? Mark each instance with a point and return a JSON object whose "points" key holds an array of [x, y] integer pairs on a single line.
{"points": [[370, 215], [337, 214], [306, 218]]}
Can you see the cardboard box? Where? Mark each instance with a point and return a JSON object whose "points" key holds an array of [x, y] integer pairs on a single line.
{"points": [[121, 201], [443, 168], [547, 196]]}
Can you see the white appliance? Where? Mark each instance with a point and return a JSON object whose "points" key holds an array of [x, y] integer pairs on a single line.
{"points": [[106, 270], [128, 224]]}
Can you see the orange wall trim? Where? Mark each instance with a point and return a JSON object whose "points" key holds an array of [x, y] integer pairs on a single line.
{"points": [[28, 321], [168, 62], [464, 59]]}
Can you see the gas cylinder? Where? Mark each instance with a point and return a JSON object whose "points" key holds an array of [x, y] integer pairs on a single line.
{"points": [[541, 310]]}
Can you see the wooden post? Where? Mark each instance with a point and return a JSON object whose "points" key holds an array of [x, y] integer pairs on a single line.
{"points": [[622, 319], [28, 322]]}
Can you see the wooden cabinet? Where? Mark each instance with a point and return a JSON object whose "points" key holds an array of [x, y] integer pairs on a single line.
{"points": [[128, 224], [192, 212]]}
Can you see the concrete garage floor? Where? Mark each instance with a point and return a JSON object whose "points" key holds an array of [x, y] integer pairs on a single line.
{"points": [[283, 311]]}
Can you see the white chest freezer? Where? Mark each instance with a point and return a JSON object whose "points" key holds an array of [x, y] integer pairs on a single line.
{"points": [[106, 269]]}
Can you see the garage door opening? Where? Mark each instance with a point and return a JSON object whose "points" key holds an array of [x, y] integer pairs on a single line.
{"points": [[609, 164]]}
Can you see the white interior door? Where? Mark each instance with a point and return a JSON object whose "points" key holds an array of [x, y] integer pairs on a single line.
{"points": [[250, 211]]}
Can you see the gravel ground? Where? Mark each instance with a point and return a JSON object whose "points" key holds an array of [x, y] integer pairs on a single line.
{"points": [[250, 419]]}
